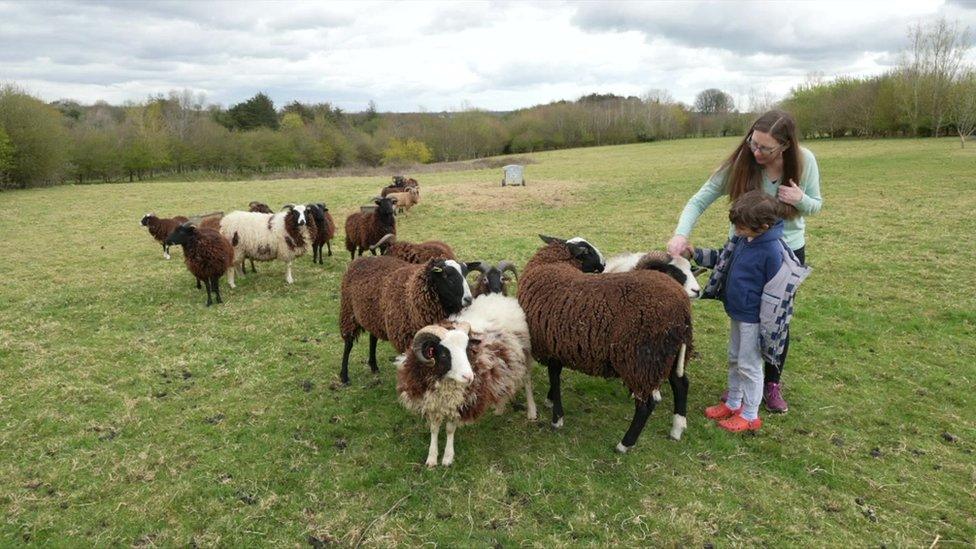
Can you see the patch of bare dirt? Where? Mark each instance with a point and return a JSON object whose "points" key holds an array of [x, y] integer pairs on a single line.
{"points": [[491, 196]]}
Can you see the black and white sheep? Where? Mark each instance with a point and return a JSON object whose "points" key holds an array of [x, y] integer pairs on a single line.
{"points": [[325, 230], [161, 227], [392, 299], [676, 267], [206, 253], [634, 325], [265, 237], [454, 374], [365, 229], [492, 278], [412, 252]]}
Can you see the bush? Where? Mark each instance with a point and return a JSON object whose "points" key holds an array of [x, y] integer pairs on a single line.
{"points": [[406, 151], [38, 138]]}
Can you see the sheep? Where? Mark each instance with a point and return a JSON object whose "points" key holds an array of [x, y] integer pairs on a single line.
{"points": [[676, 267], [412, 252], [392, 299], [634, 325], [259, 207], [325, 232], [406, 199], [206, 253], [160, 228], [284, 235], [493, 279], [365, 229], [399, 184], [453, 375]]}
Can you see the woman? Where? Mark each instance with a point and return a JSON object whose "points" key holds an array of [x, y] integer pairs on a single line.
{"points": [[771, 159]]}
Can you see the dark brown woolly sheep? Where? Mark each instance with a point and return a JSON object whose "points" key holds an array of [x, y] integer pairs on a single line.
{"points": [[160, 228], [634, 325], [454, 375], [365, 229], [325, 230], [392, 299], [259, 207], [412, 252], [207, 254], [400, 183], [493, 279]]}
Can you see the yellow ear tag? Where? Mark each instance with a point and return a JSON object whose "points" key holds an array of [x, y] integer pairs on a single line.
{"points": [[437, 269]]}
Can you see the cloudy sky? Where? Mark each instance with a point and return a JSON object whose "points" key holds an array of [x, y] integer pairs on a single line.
{"points": [[407, 56]]}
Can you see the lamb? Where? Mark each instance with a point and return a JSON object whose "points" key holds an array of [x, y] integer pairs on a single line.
{"points": [[406, 199], [676, 267], [160, 228], [206, 253], [453, 375], [392, 299], [493, 279], [412, 252], [634, 325], [325, 232], [284, 235], [365, 229]]}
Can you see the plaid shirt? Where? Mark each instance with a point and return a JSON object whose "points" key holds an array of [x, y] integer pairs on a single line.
{"points": [[776, 308]]}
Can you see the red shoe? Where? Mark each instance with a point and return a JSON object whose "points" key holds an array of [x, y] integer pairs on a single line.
{"points": [[737, 424], [721, 411]]}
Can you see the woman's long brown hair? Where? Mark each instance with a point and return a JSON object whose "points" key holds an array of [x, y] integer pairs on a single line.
{"points": [[744, 173]]}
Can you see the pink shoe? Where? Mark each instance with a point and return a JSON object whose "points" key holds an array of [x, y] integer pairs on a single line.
{"points": [[773, 397]]}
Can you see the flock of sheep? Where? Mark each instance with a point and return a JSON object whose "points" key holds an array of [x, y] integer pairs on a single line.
{"points": [[463, 352]]}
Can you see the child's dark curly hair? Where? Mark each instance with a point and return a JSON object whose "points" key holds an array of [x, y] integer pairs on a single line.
{"points": [[759, 211]]}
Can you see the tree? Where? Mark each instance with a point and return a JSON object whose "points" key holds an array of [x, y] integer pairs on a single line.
{"points": [[254, 113], [714, 101], [928, 68], [962, 105], [406, 151], [6, 155], [37, 134]]}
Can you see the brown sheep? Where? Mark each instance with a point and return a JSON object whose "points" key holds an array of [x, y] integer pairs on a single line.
{"points": [[392, 299], [405, 199], [207, 254], [412, 252], [634, 325], [259, 207], [160, 228], [365, 229], [399, 184], [325, 232]]}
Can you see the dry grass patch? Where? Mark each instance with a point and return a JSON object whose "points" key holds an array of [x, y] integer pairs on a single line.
{"points": [[487, 196]]}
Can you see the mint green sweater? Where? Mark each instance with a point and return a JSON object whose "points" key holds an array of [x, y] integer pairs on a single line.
{"points": [[793, 229]]}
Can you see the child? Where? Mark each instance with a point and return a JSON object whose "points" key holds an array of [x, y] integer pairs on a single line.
{"points": [[756, 276]]}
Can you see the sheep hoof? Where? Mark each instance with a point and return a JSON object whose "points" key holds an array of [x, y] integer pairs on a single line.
{"points": [[447, 462], [431, 463], [548, 403], [621, 448], [678, 426], [557, 424], [532, 416]]}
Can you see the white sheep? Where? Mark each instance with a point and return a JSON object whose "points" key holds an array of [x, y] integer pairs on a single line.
{"points": [[264, 237]]}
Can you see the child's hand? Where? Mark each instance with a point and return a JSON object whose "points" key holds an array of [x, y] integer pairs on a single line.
{"points": [[792, 194]]}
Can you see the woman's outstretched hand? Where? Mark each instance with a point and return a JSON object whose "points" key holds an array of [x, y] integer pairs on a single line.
{"points": [[791, 193], [679, 245]]}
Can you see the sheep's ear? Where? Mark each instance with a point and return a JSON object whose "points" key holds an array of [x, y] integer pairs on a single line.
{"points": [[551, 239], [288, 207]]}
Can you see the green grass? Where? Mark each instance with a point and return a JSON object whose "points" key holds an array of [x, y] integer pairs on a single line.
{"points": [[130, 414]]}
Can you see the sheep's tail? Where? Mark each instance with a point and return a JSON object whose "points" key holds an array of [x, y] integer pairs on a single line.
{"points": [[681, 361]]}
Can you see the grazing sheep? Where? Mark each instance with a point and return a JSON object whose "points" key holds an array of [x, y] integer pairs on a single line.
{"points": [[264, 237], [676, 267], [365, 229], [160, 228], [325, 232], [399, 184], [412, 252], [634, 325], [207, 254], [405, 200], [259, 207], [493, 279], [392, 299], [453, 375]]}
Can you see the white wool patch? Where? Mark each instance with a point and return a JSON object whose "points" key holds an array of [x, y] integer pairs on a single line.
{"points": [[255, 240], [656, 395], [622, 263], [457, 267]]}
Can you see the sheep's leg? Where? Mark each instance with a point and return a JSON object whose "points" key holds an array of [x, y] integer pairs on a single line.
{"points": [[679, 387], [198, 284], [555, 395], [449, 445], [372, 354], [288, 277], [344, 373], [215, 284], [230, 275], [435, 427], [329, 244], [532, 413], [165, 251], [642, 409], [253, 269], [206, 282]]}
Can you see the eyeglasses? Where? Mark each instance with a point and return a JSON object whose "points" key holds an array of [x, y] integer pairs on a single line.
{"points": [[766, 151]]}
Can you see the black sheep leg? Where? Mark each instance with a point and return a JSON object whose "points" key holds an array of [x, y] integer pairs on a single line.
{"points": [[329, 244], [372, 354], [555, 395], [206, 282], [253, 270], [215, 284], [344, 373], [679, 387], [642, 410], [198, 284]]}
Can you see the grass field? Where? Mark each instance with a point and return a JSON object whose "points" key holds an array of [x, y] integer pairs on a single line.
{"points": [[130, 414]]}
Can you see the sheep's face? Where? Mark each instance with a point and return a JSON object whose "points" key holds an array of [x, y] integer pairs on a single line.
{"points": [[447, 279], [591, 259], [181, 235], [385, 207], [680, 270], [297, 213], [445, 351], [146, 218], [317, 211]]}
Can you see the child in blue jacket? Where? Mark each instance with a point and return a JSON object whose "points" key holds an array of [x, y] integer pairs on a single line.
{"points": [[756, 276]]}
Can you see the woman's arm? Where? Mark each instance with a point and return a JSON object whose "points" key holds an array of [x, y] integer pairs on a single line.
{"points": [[680, 244], [805, 196]]}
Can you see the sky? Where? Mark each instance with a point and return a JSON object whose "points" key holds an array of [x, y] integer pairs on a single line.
{"points": [[441, 56]]}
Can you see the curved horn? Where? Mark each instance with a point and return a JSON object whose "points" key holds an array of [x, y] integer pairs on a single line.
{"points": [[427, 334], [476, 266], [380, 242], [288, 207], [506, 265]]}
